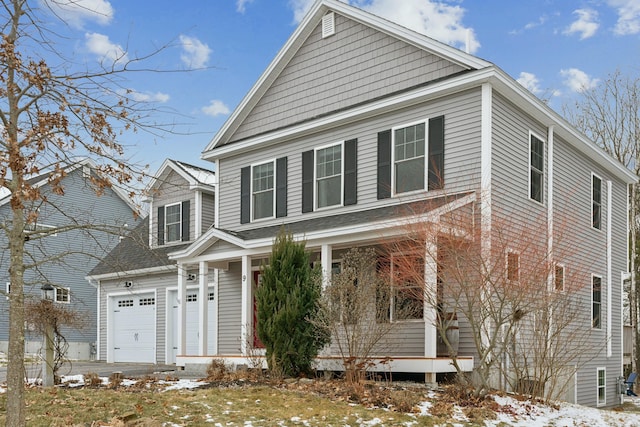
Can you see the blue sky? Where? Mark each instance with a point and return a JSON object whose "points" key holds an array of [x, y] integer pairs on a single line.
{"points": [[556, 48]]}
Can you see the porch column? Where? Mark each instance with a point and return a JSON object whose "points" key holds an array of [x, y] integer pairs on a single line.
{"points": [[246, 311], [430, 313], [182, 309], [203, 307], [326, 255]]}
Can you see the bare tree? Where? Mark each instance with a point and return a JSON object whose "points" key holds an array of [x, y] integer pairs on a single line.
{"points": [[503, 299], [355, 309], [609, 114], [48, 117]]}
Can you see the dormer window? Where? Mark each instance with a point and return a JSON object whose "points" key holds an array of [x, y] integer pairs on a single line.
{"points": [[173, 223]]}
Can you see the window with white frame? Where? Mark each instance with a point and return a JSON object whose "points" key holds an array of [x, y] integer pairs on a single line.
{"points": [[173, 222], [596, 307], [407, 298], [513, 266], [328, 175], [409, 158], [536, 168], [558, 278], [596, 202], [262, 190], [62, 295], [602, 386]]}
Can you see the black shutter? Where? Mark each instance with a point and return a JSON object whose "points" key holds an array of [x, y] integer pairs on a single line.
{"points": [[186, 219], [351, 172], [384, 164], [281, 187], [245, 195], [436, 153], [160, 225], [307, 181]]}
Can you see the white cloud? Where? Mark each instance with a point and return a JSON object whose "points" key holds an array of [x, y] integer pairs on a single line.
{"points": [[100, 45], [529, 81], [628, 16], [586, 25], [77, 12], [435, 19], [241, 5], [578, 80], [300, 8], [195, 53], [216, 108], [145, 96]]}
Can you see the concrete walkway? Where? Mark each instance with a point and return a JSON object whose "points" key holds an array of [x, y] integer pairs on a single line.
{"points": [[103, 369]]}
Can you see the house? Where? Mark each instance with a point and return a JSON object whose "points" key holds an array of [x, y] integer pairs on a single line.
{"points": [[78, 219], [355, 122], [137, 283]]}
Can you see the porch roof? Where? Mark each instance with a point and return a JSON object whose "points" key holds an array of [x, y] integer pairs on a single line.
{"points": [[331, 227]]}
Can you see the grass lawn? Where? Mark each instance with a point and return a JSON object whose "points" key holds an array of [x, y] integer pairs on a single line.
{"points": [[150, 406]]}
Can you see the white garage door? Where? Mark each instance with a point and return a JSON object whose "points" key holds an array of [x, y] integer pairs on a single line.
{"points": [[133, 325], [192, 325]]}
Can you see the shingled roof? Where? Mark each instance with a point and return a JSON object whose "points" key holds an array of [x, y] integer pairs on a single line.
{"points": [[134, 253]]}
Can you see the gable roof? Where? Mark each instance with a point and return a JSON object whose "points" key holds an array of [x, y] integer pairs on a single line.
{"points": [[308, 24], [43, 178], [196, 177]]}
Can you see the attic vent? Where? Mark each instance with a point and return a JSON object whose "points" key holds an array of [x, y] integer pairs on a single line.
{"points": [[328, 25]]}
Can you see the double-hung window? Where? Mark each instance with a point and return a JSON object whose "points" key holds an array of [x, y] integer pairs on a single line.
{"points": [[408, 158], [596, 302], [62, 295], [596, 202], [329, 173], [536, 168], [602, 386], [262, 190], [173, 222], [407, 298]]}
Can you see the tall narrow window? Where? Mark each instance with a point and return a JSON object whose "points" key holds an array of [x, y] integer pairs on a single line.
{"points": [[602, 386], [536, 166], [596, 310], [407, 275], [513, 266], [409, 169], [262, 190], [596, 202], [329, 176], [173, 222], [558, 278]]}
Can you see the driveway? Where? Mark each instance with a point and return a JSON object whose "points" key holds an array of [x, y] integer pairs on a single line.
{"points": [[103, 369]]}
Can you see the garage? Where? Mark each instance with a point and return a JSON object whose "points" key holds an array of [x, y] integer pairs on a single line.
{"points": [[192, 323], [133, 328]]}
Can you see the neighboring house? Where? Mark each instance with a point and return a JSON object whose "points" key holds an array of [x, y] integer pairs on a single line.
{"points": [[137, 283], [356, 119], [80, 218]]}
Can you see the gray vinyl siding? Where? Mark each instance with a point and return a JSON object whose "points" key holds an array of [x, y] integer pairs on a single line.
{"points": [[355, 65], [580, 248], [229, 310], [84, 248], [208, 211], [462, 154], [174, 189], [157, 283]]}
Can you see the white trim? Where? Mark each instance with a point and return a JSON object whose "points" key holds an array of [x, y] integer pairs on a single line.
{"points": [[544, 158], [246, 311], [138, 272], [591, 308], [426, 167], [609, 268], [98, 319], [151, 222], [604, 386], [594, 175], [549, 194], [182, 309], [203, 308], [61, 288], [486, 154], [216, 196], [315, 176], [273, 189]]}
